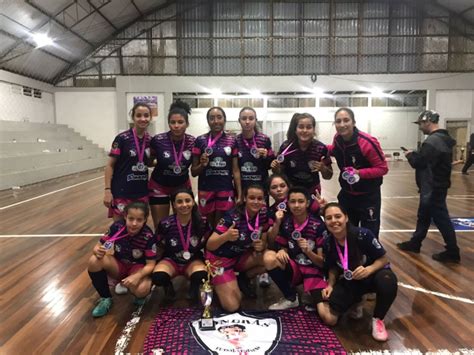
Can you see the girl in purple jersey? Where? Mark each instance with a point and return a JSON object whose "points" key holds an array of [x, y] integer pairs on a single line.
{"points": [[237, 245], [357, 265], [302, 157], [215, 161], [181, 238], [255, 150], [126, 172], [127, 253], [299, 258], [172, 151]]}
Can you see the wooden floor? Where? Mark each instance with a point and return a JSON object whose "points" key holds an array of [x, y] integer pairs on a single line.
{"points": [[46, 296]]}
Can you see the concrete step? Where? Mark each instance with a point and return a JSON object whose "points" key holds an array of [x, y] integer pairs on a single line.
{"points": [[9, 126], [8, 149]]}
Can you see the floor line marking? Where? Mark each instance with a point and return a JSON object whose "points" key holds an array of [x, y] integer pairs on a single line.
{"points": [[101, 234], [435, 293], [49, 193]]}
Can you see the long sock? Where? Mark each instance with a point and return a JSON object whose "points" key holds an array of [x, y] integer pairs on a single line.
{"points": [[283, 282], [196, 282], [161, 278], [100, 283]]}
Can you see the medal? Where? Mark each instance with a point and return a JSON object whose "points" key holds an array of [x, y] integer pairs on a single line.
{"points": [[348, 275], [140, 152], [253, 149], [108, 245], [344, 260], [141, 166], [296, 235], [184, 241], [186, 255], [177, 169], [208, 151], [281, 157], [210, 143], [255, 236], [254, 152], [282, 206], [350, 176]]}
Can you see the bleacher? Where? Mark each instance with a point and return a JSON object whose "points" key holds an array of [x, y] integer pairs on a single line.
{"points": [[34, 152]]}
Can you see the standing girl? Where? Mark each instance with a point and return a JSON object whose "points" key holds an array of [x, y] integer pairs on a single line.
{"points": [[181, 238], [357, 265], [302, 157], [237, 245], [127, 253], [173, 159], [362, 164], [126, 172], [215, 161], [299, 258], [255, 150]]}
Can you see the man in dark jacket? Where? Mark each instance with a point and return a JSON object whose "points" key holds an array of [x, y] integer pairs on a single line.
{"points": [[433, 177]]}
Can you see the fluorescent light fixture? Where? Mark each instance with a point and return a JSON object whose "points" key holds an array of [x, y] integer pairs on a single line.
{"points": [[317, 91], [255, 93], [216, 92], [377, 93], [42, 40]]}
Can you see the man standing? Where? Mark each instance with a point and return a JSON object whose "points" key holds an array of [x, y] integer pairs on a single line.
{"points": [[432, 163]]}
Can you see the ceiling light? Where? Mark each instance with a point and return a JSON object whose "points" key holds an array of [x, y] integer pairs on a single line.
{"points": [[42, 40]]}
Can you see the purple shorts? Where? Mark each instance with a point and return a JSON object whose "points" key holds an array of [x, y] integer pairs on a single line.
{"points": [[126, 269], [157, 190], [118, 205], [316, 282], [210, 201], [180, 270], [230, 265]]}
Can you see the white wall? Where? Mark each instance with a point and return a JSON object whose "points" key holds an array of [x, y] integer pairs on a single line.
{"points": [[456, 105], [14, 106], [91, 113]]}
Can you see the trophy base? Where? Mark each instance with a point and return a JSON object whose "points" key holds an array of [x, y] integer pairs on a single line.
{"points": [[207, 324]]}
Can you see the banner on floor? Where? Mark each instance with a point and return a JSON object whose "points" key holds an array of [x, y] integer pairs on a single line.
{"points": [[292, 331], [464, 223]]}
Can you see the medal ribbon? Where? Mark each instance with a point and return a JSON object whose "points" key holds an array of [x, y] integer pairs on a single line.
{"points": [[344, 259], [178, 156], [184, 242], [141, 152], [257, 223], [211, 142], [300, 227], [285, 151], [117, 235], [254, 145]]}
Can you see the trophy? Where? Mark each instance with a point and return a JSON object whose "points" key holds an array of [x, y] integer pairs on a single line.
{"points": [[207, 322]]}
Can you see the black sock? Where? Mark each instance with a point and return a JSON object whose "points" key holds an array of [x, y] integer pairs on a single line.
{"points": [[197, 278], [100, 283], [283, 282], [161, 278]]}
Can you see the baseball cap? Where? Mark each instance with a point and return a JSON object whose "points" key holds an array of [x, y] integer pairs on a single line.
{"points": [[427, 115]]}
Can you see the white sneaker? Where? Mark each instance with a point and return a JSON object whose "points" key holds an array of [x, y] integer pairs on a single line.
{"points": [[120, 289], [264, 280], [379, 332], [283, 303], [356, 312]]}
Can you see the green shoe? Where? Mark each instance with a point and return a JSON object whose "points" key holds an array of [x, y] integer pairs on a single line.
{"points": [[139, 301], [102, 308]]}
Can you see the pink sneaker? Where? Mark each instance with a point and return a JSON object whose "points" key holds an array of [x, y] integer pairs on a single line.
{"points": [[379, 332]]}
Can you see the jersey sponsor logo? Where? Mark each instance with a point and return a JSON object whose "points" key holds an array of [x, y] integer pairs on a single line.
{"points": [[133, 153], [227, 150], [248, 167], [218, 162], [137, 253], [166, 154], [134, 177], [173, 242], [239, 333]]}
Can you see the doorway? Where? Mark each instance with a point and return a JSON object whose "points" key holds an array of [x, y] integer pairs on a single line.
{"points": [[458, 130]]}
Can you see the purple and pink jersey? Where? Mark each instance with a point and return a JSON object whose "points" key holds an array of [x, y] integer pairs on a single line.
{"points": [[129, 179], [254, 170], [217, 175], [167, 234], [297, 165], [236, 248], [164, 173], [135, 249]]}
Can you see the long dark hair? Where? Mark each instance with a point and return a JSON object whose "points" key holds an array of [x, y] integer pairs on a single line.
{"points": [[195, 215], [291, 133], [351, 237], [139, 104], [139, 205], [180, 108], [248, 108], [241, 206], [274, 176], [349, 112]]}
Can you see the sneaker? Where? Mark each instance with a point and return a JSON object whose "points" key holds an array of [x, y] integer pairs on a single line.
{"points": [[310, 308], [139, 301], [245, 286], [356, 312], [447, 257], [284, 303], [409, 246], [264, 280], [379, 332], [103, 306], [120, 289]]}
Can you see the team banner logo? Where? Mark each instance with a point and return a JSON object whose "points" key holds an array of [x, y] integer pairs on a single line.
{"points": [[239, 333], [466, 223]]}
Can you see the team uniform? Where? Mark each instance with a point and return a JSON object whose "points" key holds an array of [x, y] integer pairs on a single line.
{"points": [[130, 252], [362, 200], [167, 176], [168, 236], [348, 292], [232, 255], [215, 183], [130, 176], [302, 268], [254, 170], [297, 164]]}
